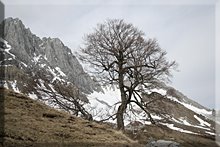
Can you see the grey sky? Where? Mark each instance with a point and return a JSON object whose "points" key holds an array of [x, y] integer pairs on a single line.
{"points": [[186, 31]]}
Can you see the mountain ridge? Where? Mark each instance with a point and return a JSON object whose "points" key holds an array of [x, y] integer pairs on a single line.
{"points": [[31, 50]]}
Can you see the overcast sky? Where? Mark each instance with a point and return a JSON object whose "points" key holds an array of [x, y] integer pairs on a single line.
{"points": [[185, 30]]}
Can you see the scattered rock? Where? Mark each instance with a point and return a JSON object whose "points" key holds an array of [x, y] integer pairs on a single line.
{"points": [[50, 115], [163, 143]]}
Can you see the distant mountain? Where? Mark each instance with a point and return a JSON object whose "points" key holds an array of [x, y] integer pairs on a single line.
{"points": [[39, 67]]}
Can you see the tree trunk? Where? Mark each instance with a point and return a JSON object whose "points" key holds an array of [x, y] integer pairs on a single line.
{"points": [[123, 106], [120, 117]]}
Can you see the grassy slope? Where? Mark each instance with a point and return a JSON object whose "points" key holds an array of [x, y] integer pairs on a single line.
{"points": [[28, 122], [31, 123]]}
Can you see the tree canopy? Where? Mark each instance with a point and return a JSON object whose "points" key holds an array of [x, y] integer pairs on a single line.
{"points": [[119, 54]]}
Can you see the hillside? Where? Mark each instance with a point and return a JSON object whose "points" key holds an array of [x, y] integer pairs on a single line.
{"points": [[30, 123], [170, 109]]}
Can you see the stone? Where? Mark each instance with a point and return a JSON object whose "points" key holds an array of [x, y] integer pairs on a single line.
{"points": [[162, 143]]}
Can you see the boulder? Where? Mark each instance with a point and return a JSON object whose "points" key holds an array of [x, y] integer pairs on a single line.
{"points": [[162, 143]]}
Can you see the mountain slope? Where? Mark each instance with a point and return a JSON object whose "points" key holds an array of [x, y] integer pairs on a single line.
{"points": [[46, 58], [168, 107], [31, 123], [177, 117], [42, 68]]}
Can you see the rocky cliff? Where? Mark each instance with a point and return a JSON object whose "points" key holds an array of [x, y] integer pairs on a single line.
{"points": [[41, 68]]}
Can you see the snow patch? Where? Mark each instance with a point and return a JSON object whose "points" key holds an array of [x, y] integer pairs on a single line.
{"points": [[41, 84], [4, 84], [33, 96], [184, 121], [55, 77], [160, 91], [109, 94], [45, 57], [171, 126], [210, 133], [53, 90], [24, 64], [36, 58], [147, 123], [202, 122], [156, 117], [8, 51], [5, 42], [103, 104], [14, 86], [100, 102], [60, 71], [42, 65]]}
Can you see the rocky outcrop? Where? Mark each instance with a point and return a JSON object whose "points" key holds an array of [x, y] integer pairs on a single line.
{"points": [[163, 143], [32, 53], [43, 69]]}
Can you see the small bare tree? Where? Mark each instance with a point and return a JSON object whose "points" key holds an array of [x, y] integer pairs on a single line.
{"points": [[120, 55], [68, 98]]}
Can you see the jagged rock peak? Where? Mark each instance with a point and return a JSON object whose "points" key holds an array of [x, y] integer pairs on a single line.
{"points": [[36, 55], [13, 20]]}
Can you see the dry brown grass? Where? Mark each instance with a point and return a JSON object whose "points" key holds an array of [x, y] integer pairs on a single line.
{"points": [[28, 122], [31, 123]]}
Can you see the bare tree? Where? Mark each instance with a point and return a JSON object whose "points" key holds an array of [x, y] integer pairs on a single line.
{"points": [[120, 55], [68, 98]]}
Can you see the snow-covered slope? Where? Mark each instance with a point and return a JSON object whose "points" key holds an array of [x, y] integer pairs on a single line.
{"points": [[174, 112], [104, 103]]}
